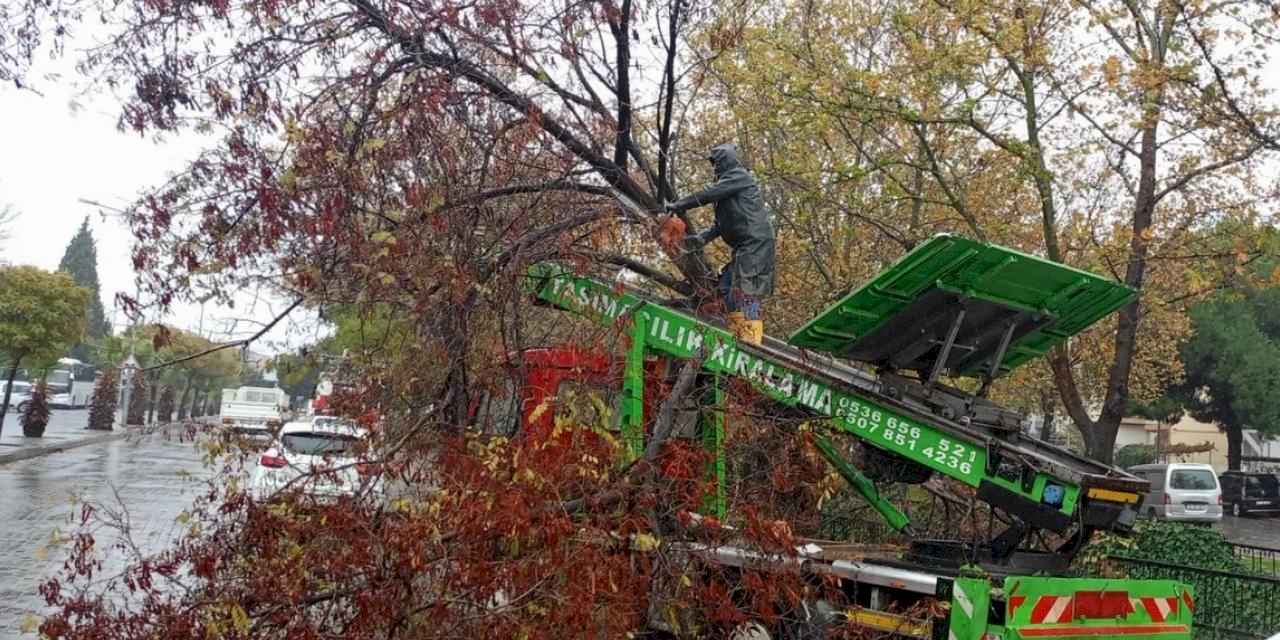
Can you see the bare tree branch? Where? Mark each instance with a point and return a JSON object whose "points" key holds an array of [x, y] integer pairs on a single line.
{"points": [[227, 345]]}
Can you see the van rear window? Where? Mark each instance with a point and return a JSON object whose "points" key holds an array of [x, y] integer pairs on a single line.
{"points": [[1193, 480], [1261, 486]]}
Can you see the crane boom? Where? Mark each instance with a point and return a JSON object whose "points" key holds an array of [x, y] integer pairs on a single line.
{"points": [[960, 435]]}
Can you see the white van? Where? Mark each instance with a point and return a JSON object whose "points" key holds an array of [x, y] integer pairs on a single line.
{"points": [[254, 410], [1181, 491]]}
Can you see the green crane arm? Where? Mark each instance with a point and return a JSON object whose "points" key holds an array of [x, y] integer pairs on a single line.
{"points": [[1046, 486]]}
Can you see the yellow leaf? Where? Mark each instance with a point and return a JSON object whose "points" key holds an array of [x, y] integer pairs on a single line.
{"points": [[645, 542], [29, 624], [1111, 70], [239, 619], [538, 411]]}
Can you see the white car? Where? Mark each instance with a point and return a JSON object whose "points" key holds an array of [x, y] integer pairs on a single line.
{"points": [[323, 458], [20, 396]]}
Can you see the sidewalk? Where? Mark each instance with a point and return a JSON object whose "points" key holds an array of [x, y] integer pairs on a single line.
{"points": [[65, 431]]}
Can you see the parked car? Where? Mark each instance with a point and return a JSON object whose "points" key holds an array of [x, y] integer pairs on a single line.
{"points": [[1182, 491], [1244, 492], [321, 457], [20, 397]]}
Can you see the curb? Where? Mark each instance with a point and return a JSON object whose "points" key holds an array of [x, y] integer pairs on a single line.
{"points": [[44, 450]]}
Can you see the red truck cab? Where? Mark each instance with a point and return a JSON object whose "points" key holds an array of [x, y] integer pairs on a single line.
{"points": [[584, 385]]}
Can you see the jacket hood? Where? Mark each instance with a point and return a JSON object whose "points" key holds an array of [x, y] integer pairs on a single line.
{"points": [[724, 157]]}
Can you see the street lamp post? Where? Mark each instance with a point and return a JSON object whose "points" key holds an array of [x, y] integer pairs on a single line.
{"points": [[127, 370]]}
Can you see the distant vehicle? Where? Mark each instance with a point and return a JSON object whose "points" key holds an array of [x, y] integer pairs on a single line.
{"points": [[1181, 491], [319, 457], [20, 397], [254, 411], [70, 384], [1244, 493]]}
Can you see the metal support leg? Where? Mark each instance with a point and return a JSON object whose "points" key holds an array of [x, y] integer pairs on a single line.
{"points": [[711, 423], [941, 362], [633, 391], [867, 489], [994, 369]]}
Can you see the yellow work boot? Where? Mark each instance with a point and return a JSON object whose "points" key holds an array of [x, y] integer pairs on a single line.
{"points": [[737, 324], [754, 331]]}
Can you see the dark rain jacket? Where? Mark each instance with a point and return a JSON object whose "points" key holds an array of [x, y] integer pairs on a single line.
{"points": [[741, 219]]}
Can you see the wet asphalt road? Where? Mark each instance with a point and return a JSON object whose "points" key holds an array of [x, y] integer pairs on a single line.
{"points": [[1259, 531], [38, 496]]}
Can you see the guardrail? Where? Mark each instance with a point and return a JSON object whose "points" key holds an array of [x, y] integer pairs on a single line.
{"points": [[1235, 606], [1261, 560]]}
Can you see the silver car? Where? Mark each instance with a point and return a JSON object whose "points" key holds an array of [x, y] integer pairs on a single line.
{"points": [[19, 397], [1182, 491]]}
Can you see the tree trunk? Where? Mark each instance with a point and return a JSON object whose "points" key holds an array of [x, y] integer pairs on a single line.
{"points": [[1049, 410], [457, 386], [8, 390], [185, 399], [1235, 445]]}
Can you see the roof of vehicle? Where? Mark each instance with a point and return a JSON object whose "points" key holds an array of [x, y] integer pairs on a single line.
{"points": [[16, 384], [1246, 473], [1175, 465], [324, 424]]}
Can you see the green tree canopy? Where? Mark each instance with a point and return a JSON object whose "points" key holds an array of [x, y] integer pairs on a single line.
{"points": [[80, 260], [1232, 365], [41, 313]]}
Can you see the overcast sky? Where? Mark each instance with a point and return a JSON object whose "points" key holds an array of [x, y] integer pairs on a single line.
{"points": [[57, 148]]}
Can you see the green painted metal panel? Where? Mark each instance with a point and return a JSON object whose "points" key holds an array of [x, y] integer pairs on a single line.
{"points": [[633, 393], [970, 603], [682, 336], [1068, 300], [712, 425]]}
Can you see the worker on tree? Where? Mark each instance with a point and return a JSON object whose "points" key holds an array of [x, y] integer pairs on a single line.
{"points": [[742, 220]]}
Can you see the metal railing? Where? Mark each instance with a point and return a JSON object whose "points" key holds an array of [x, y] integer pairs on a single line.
{"points": [[1260, 560], [1228, 605]]}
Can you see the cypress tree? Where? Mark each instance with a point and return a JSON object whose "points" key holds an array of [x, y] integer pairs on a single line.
{"points": [[81, 261], [102, 409]]}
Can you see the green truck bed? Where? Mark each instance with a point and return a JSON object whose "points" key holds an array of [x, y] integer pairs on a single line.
{"points": [[900, 319]]}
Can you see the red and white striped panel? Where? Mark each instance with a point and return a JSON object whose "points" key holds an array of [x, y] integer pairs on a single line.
{"points": [[1158, 608], [1053, 610]]}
